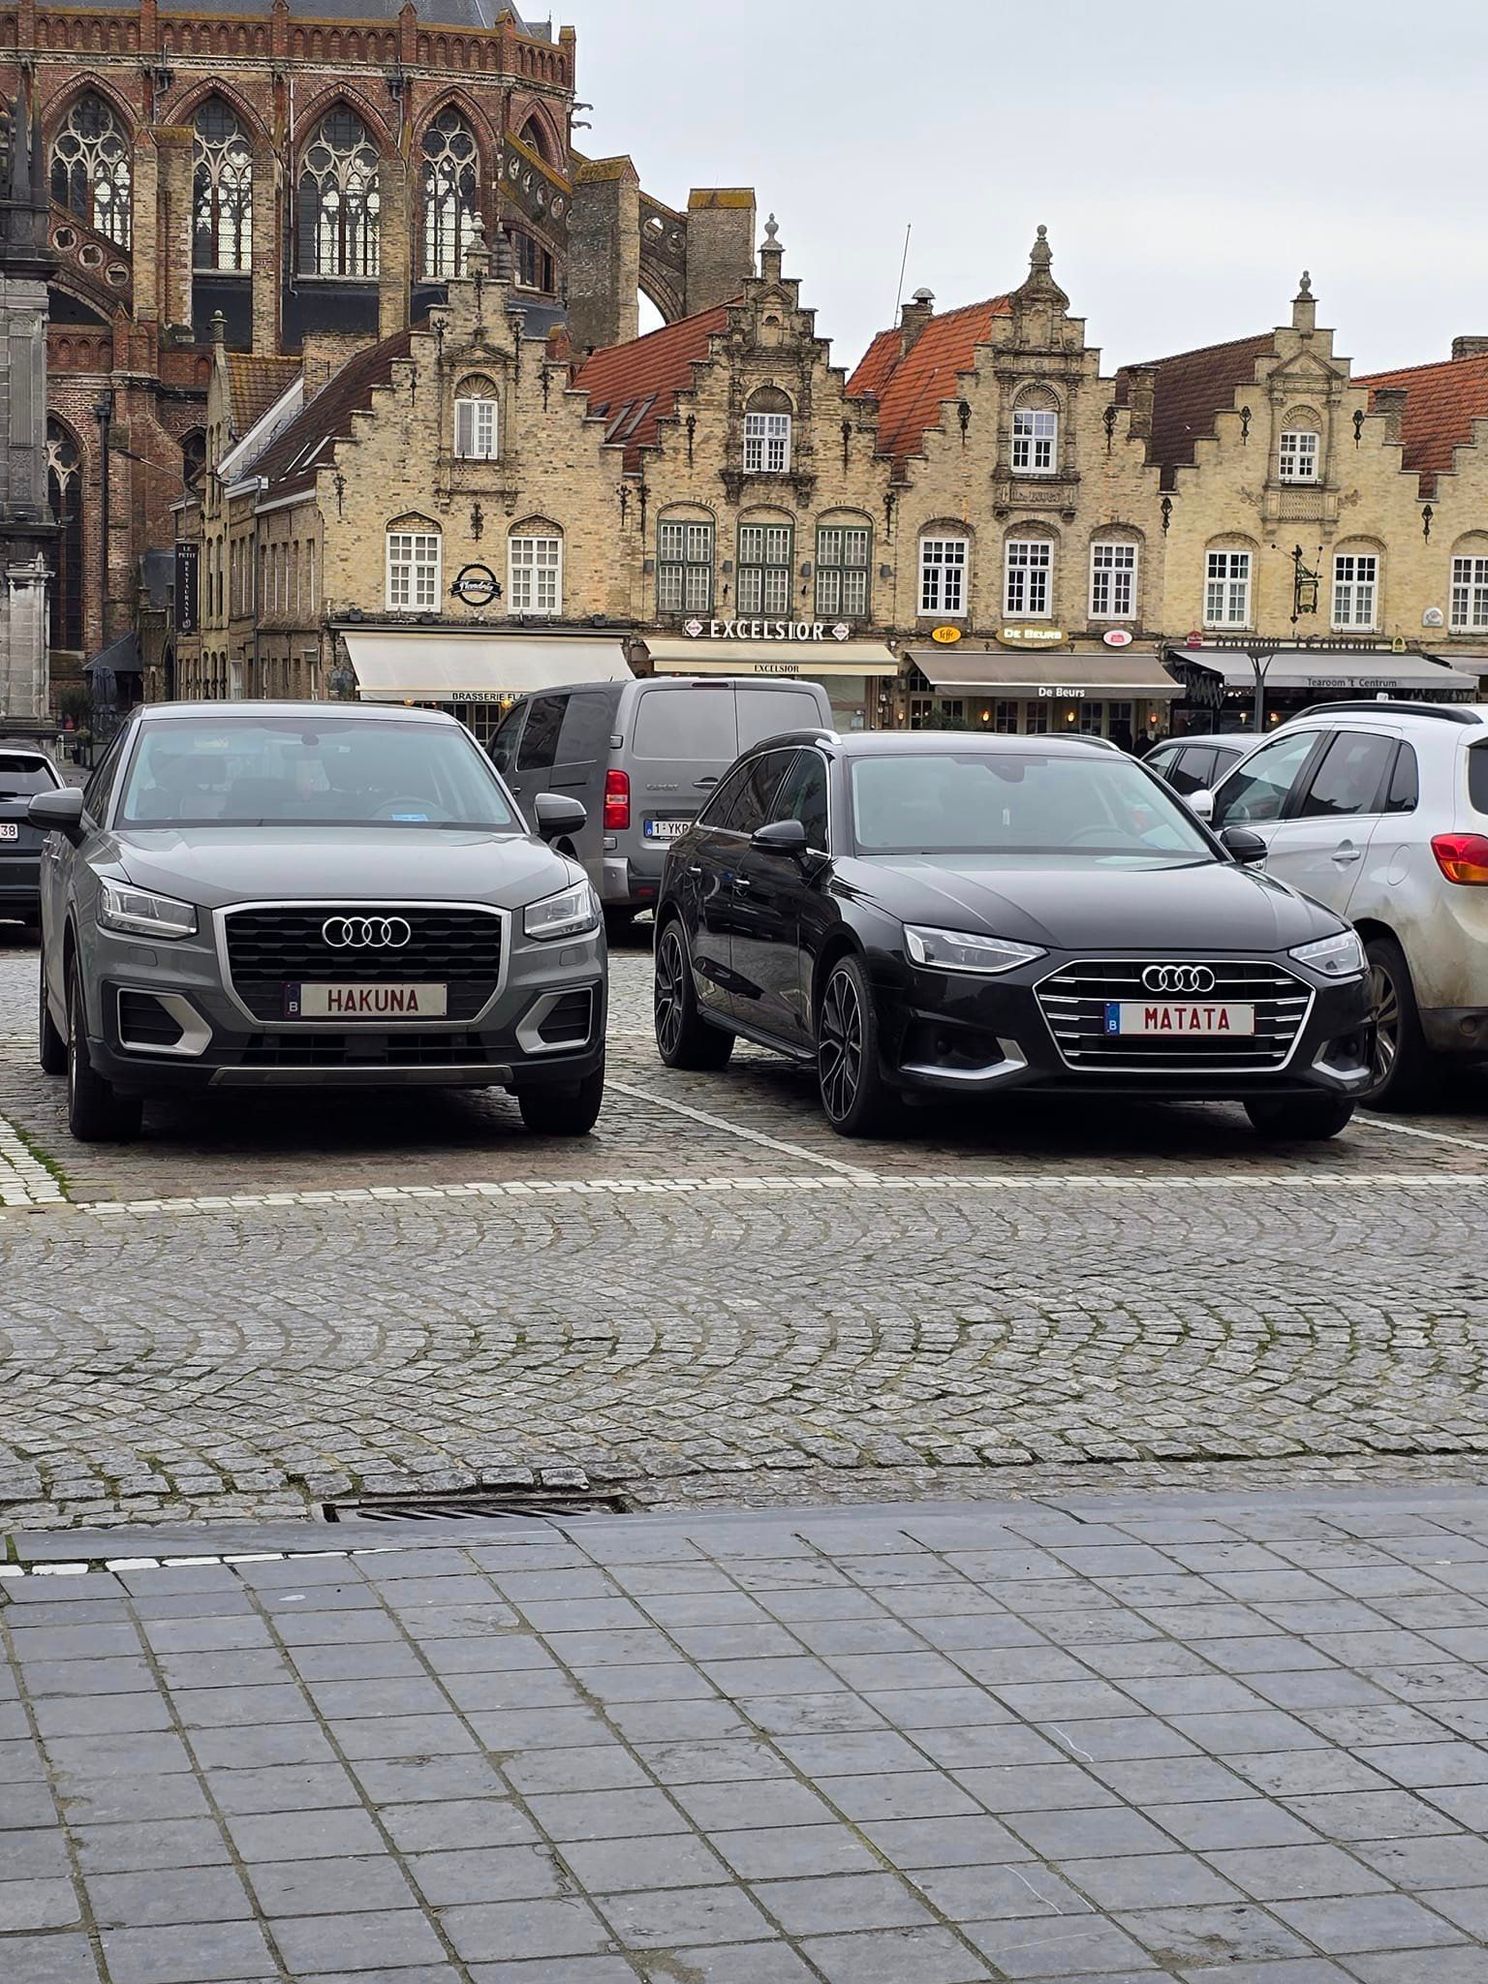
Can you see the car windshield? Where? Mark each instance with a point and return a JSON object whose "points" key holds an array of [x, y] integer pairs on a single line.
{"points": [[310, 770], [21, 777], [1019, 804]]}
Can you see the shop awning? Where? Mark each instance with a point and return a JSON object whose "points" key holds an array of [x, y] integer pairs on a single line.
{"points": [[1011, 672], [121, 657], [810, 658], [1364, 672], [475, 668]]}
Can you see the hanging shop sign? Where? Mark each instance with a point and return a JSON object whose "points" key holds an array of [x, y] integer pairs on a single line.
{"points": [[1031, 637], [185, 593], [476, 585]]}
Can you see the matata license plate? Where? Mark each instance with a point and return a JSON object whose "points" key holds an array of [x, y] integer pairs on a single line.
{"points": [[1171, 1016], [665, 829], [366, 1002]]}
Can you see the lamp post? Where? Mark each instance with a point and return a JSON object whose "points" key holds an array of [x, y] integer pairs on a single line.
{"points": [[1304, 600]]}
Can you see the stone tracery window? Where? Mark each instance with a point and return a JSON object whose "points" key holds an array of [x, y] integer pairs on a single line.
{"points": [[65, 496], [90, 167], [221, 190], [450, 182], [340, 199]]}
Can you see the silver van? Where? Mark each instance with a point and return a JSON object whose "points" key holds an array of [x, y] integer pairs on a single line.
{"points": [[642, 757]]}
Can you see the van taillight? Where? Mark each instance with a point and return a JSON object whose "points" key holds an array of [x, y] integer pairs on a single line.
{"points": [[1462, 857], [617, 802]]}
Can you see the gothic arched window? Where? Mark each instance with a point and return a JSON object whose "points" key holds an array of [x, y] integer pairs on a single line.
{"points": [[450, 162], [90, 167], [65, 496], [339, 199], [221, 190]]}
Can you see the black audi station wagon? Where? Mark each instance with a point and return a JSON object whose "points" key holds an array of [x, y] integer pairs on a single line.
{"points": [[967, 914]]}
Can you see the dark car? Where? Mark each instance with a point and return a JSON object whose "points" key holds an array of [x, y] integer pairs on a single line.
{"points": [[1197, 764], [938, 912], [23, 773]]}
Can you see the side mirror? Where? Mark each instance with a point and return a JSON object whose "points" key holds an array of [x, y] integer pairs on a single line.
{"points": [[558, 815], [58, 812], [786, 837], [1248, 849], [1200, 804]]}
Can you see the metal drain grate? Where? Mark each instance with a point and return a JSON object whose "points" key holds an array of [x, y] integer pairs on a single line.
{"points": [[476, 1505]]}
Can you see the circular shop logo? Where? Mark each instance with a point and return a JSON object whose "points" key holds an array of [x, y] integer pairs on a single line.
{"points": [[1117, 637], [366, 933], [476, 585], [1178, 978]]}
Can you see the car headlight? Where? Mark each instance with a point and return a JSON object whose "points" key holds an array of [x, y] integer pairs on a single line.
{"points": [[959, 950], [143, 914], [1334, 957], [571, 911]]}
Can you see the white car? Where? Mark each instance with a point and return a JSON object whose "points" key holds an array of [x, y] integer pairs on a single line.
{"points": [[1379, 810]]}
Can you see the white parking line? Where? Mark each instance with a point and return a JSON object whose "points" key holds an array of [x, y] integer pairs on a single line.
{"points": [[738, 1130], [1411, 1130], [24, 1179]]}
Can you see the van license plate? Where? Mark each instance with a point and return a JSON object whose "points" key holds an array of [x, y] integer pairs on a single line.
{"points": [[665, 829], [1187, 1017], [9, 830], [366, 1002]]}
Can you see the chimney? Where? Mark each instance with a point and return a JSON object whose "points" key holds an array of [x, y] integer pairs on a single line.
{"points": [[1469, 347], [1390, 402], [1141, 396], [913, 317]]}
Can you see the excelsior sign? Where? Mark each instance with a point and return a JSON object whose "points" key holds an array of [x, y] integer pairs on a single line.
{"points": [[766, 630]]}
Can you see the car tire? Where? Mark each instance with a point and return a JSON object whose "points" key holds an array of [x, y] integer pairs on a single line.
{"points": [[51, 1048], [1300, 1119], [1404, 1072], [857, 1100], [684, 1039], [570, 1111], [619, 920], [96, 1112]]}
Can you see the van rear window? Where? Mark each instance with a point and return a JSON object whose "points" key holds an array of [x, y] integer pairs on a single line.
{"points": [[693, 724], [1477, 778], [766, 712]]}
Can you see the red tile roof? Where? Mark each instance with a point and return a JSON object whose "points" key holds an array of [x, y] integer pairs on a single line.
{"points": [[1441, 403], [1191, 388], [254, 384], [293, 456], [635, 385], [911, 386]]}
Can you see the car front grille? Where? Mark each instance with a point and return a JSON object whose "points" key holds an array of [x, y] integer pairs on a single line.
{"points": [[270, 948], [1074, 999], [340, 1050]]}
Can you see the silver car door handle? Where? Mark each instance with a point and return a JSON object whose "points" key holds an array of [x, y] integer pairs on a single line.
{"points": [[742, 885], [1344, 855], [694, 867]]}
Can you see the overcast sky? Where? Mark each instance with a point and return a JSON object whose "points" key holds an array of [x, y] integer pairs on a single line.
{"points": [[1189, 159]]}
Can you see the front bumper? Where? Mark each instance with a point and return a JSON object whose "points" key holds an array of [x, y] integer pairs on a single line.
{"points": [[957, 1032], [1456, 1029]]}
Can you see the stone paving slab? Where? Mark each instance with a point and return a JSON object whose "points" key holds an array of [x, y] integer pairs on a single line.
{"points": [[1087, 1738]]}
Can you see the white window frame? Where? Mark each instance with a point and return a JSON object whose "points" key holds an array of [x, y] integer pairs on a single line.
{"points": [[534, 572], [1355, 590], [943, 570], [1028, 578], [1469, 608], [1227, 581], [1299, 458], [684, 565], [477, 428], [414, 567], [767, 443], [1113, 579], [1035, 441]]}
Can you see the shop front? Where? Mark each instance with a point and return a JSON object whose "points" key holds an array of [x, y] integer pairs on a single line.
{"points": [[477, 676], [1124, 695], [1221, 685], [858, 676]]}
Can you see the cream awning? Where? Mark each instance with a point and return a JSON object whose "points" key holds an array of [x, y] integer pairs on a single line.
{"points": [[1013, 672], [475, 668], [1364, 671], [809, 658]]}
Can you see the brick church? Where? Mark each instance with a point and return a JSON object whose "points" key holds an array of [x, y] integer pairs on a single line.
{"points": [[314, 173]]}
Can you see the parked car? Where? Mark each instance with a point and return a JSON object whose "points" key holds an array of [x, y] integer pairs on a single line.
{"points": [[971, 915], [23, 773], [1380, 811], [1196, 764], [292, 895], [642, 757]]}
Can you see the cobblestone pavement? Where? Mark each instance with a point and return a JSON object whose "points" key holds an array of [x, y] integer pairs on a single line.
{"points": [[1105, 1740], [715, 1300]]}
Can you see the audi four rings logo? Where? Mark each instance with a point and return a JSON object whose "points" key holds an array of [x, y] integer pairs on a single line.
{"points": [[366, 933], [1178, 978]]}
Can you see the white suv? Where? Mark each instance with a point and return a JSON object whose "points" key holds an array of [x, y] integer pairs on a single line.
{"points": [[1380, 811]]}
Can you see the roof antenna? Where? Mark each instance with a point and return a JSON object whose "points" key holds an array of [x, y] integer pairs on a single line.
{"points": [[903, 265]]}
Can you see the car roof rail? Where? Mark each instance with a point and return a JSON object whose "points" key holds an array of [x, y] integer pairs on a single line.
{"points": [[815, 735], [1398, 706]]}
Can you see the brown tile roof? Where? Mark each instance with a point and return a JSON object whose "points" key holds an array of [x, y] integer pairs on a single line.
{"points": [[633, 386], [1441, 403], [254, 384], [911, 386], [292, 457], [1191, 388]]}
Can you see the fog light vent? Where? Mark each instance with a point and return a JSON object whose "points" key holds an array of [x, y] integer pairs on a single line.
{"points": [[145, 1022], [568, 1023]]}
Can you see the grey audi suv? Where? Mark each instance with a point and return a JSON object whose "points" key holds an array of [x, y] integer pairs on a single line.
{"points": [[312, 895]]}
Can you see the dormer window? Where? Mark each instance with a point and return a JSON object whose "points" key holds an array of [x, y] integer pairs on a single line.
{"points": [[1035, 441], [767, 433], [1299, 455]]}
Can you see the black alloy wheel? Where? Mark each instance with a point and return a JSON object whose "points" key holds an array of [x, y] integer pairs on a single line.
{"points": [[857, 1100], [1403, 1072], [1299, 1119], [51, 1048], [96, 1112], [684, 1039]]}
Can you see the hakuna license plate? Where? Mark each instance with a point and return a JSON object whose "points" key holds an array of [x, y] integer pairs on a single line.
{"points": [[1185, 1017], [366, 1002]]}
